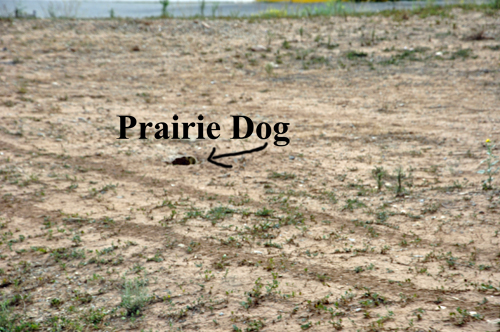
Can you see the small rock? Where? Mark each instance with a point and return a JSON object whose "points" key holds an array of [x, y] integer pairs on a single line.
{"points": [[181, 245], [259, 48]]}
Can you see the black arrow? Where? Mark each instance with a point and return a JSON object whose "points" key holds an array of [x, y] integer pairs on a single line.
{"points": [[211, 157]]}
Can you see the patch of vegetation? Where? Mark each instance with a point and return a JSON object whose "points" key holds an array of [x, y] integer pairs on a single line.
{"points": [[264, 212], [219, 213], [281, 176], [134, 296], [462, 54], [353, 55], [462, 317], [10, 322], [403, 55], [352, 204]]}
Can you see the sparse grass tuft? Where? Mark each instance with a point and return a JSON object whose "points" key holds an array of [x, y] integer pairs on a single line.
{"points": [[352, 204], [282, 176], [378, 174], [134, 297], [219, 213]]}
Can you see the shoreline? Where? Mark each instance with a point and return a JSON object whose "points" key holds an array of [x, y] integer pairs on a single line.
{"points": [[125, 9]]}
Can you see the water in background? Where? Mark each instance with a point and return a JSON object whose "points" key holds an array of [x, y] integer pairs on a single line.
{"points": [[184, 8]]}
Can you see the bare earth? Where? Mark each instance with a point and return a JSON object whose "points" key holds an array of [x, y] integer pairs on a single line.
{"points": [[291, 238]]}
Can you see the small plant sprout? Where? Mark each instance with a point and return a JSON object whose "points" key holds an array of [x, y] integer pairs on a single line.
{"points": [[269, 69], [269, 38], [164, 5], [77, 240], [490, 162], [400, 176], [378, 174], [202, 8], [214, 8]]}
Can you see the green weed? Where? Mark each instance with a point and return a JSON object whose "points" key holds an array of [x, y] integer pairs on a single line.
{"points": [[134, 297], [490, 161]]}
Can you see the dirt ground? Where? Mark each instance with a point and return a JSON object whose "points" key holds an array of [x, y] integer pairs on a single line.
{"points": [[373, 218]]}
